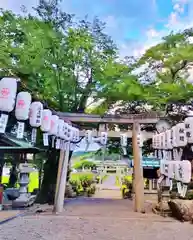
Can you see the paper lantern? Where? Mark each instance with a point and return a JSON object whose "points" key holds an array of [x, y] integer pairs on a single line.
{"points": [[168, 139], [77, 135], [103, 138], [54, 128], [173, 136], [23, 102], [8, 90], [189, 129], [88, 136], [35, 118], [60, 128], [75, 138], [123, 138], [46, 120], [68, 133], [46, 125], [59, 133], [35, 114], [164, 165], [54, 125], [162, 140], [181, 139], [186, 174]]}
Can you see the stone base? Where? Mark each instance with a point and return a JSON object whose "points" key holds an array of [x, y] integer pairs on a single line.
{"points": [[182, 209], [24, 201]]}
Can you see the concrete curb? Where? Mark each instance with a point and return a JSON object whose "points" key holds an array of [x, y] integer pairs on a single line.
{"points": [[12, 217]]}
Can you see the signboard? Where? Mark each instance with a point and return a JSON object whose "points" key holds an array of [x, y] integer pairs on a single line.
{"points": [[150, 163]]}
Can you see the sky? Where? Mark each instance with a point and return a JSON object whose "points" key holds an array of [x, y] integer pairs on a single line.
{"points": [[134, 25]]}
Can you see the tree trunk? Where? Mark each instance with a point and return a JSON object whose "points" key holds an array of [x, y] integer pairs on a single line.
{"points": [[47, 191], [48, 186]]}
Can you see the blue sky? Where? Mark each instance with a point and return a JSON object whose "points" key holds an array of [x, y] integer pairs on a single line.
{"points": [[135, 25]]}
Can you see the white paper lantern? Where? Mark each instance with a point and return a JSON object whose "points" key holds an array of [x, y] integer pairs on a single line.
{"points": [[23, 102], [123, 138], [181, 139], [59, 133], [68, 133], [75, 138], [171, 169], [46, 125], [169, 139], [54, 125], [103, 138], [173, 136], [35, 115], [164, 166], [189, 129], [66, 127], [159, 141], [35, 118], [162, 140], [88, 136], [77, 135], [186, 175], [60, 127], [46, 120], [8, 90], [156, 141]]}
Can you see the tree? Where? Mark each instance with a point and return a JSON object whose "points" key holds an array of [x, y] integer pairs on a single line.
{"points": [[169, 63], [61, 62]]}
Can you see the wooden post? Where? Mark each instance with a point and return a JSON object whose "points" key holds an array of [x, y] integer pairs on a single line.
{"points": [[138, 174], [102, 127], [61, 180], [61, 159]]}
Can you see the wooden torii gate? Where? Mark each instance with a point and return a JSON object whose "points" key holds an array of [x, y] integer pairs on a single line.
{"points": [[135, 120]]}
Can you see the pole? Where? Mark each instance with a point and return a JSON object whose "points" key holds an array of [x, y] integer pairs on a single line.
{"points": [[61, 180], [103, 162], [138, 174], [61, 159]]}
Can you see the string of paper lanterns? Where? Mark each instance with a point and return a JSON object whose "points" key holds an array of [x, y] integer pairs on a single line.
{"points": [[168, 146], [38, 117], [51, 125]]}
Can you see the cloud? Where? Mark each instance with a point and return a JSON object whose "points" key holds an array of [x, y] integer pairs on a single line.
{"points": [[17, 5], [177, 20]]}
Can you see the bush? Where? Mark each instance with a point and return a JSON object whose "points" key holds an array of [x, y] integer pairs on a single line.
{"points": [[83, 183], [84, 164], [126, 188]]}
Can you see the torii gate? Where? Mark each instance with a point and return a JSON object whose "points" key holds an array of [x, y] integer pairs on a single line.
{"points": [[135, 120]]}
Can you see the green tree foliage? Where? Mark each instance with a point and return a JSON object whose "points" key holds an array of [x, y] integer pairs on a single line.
{"points": [[65, 62], [84, 164], [168, 64]]}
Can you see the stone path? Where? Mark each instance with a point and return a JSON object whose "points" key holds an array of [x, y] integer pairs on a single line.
{"points": [[96, 219], [108, 189]]}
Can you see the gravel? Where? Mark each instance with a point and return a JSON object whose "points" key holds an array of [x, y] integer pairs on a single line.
{"points": [[96, 220]]}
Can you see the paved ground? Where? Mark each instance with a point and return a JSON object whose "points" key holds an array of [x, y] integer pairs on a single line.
{"points": [[7, 214], [96, 219], [108, 189]]}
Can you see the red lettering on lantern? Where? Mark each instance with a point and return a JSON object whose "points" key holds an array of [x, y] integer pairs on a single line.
{"points": [[5, 92], [45, 118], [21, 103]]}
